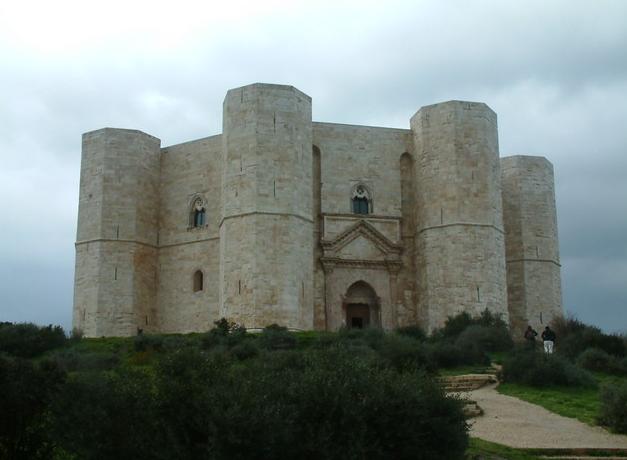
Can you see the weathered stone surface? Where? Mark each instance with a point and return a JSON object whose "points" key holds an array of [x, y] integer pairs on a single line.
{"points": [[533, 264], [116, 250], [277, 239], [460, 246]]}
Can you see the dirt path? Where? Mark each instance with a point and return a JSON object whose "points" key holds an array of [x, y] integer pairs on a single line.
{"points": [[516, 423]]}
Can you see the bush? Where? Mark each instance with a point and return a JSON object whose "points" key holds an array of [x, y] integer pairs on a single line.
{"points": [[275, 337], [28, 340], [613, 411], [445, 355], [595, 359], [26, 389], [455, 325], [485, 338], [321, 403], [101, 415], [72, 360], [369, 336], [224, 333], [538, 369], [177, 342], [245, 350], [415, 332], [404, 353], [574, 337], [148, 342]]}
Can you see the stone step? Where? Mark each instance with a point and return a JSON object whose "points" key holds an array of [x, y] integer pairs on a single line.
{"points": [[471, 409], [469, 382]]}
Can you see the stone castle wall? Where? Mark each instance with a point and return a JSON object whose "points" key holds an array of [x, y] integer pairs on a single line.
{"points": [[266, 235], [189, 170], [115, 280], [533, 264], [281, 243], [459, 233]]}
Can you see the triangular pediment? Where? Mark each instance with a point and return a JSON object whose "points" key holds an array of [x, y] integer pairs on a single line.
{"points": [[362, 238], [361, 248]]}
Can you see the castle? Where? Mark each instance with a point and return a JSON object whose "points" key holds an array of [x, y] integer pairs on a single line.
{"points": [[313, 225]]}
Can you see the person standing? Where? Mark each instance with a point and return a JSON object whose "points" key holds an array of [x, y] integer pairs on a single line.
{"points": [[530, 337], [548, 336]]}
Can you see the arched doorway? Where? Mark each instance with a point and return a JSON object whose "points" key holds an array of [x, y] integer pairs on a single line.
{"points": [[361, 306]]}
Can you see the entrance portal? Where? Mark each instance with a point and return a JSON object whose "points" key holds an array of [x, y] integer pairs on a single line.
{"points": [[361, 306], [357, 315]]}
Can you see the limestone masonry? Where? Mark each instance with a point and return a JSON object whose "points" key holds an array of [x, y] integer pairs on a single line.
{"points": [[313, 225]]}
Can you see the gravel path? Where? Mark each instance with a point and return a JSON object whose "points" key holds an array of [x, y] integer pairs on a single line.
{"points": [[516, 423]]}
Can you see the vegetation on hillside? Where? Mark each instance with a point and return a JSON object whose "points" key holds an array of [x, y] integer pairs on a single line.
{"points": [[228, 393], [586, 378]]}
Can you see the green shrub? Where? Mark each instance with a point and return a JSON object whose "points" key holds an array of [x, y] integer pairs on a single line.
{"points": [[404, 353], [224, 333], [27, 340], [455, 325], [369, 336], [595, 359], [245, 350], [275, 337], [26, 389], [70, 360], [444, 354], [148, 342], [325, 339], [485, 338], [415, 332], [574, 337], [102, 415], [177, 342], [321, 403], [538, 369], [613, 411]]}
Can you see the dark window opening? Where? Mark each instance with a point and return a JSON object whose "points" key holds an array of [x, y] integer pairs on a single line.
{"points": [[199, 217], [198, 281], [360, 205]]}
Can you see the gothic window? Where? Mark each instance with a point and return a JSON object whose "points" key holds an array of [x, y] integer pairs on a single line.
{"points": [[198, 280], [197, 216], [361, 200]]}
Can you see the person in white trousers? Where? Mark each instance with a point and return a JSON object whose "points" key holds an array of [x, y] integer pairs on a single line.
{"points": [[548, 336]]}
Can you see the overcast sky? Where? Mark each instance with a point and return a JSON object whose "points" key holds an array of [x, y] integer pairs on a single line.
{"points": [[554, 71]]}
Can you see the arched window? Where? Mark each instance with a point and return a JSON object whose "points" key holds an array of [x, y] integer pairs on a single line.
{"points": [[198, 281], [197, 216], [361, 200]]}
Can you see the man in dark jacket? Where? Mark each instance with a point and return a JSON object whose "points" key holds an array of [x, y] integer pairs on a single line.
{"points": [[549, 339], [530, 337]]}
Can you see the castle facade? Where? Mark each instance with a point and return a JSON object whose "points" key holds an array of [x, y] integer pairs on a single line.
{"points": [[313, 225]]}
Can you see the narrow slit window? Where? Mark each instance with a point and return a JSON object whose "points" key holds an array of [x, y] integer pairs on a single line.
{"points": [[198, 281]]}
